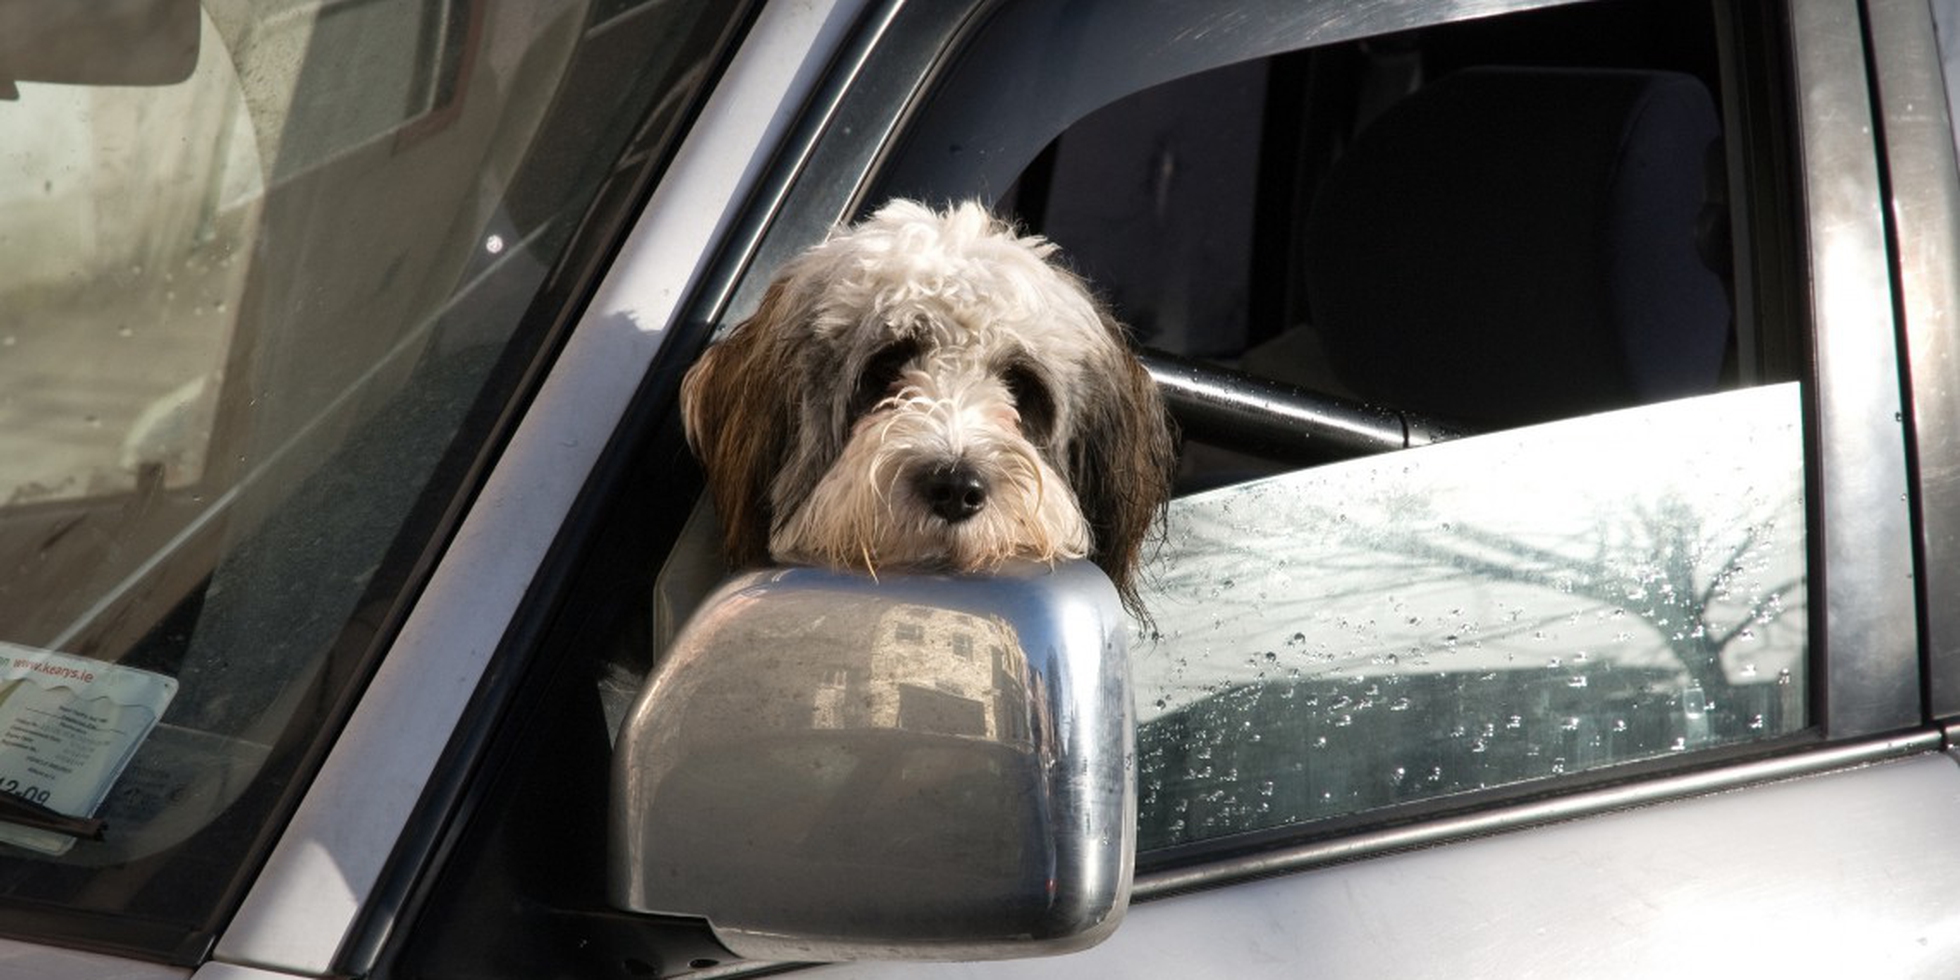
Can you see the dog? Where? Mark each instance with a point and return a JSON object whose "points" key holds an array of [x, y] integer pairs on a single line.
{"points": [[930, 390]]}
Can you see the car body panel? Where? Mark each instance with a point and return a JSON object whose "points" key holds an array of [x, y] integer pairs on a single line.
{"points": [[27, 961], [1800, 878]]}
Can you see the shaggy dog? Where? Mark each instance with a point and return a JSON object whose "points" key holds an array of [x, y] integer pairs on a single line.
{"points": [[926, 390]]}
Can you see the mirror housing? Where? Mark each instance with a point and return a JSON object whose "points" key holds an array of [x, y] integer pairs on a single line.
{"points": [[831, 767]]}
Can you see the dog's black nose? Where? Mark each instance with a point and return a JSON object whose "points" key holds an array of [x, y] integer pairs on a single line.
{"points": [[953, 492]]}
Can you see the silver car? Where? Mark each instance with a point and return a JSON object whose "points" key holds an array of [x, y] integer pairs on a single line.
{"points": [[1561, 581]]}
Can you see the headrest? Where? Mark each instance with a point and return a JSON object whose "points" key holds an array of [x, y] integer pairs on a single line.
{"points": [[1511, 245]]}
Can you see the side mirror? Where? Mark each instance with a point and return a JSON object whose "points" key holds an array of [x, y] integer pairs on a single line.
{"points": [[828, 767]]}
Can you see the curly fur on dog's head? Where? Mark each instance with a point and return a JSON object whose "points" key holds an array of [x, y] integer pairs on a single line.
{"points": [[926, 389]]}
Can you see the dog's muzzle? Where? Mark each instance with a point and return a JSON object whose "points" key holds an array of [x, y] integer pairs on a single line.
{"points": [[954, 491]]}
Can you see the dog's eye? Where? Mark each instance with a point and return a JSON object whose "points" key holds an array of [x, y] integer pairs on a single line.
{"points": [[880, 375], [1031, 400]]}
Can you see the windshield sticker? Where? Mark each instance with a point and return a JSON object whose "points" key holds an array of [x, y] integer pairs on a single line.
{"points": [[68, 726]]}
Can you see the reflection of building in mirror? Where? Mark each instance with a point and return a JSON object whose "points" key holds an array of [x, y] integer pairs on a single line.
{"points": [[127, 216], [1477, 613], [932, 670], [904, 666]]}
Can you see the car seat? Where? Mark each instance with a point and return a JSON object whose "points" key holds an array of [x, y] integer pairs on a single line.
{"points": [[1512, 245]]}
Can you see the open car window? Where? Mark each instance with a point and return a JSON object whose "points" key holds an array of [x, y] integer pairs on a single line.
{"points": [[1519, 236]]}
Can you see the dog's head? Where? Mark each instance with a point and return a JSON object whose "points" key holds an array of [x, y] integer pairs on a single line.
{"points": [[926, 389]]}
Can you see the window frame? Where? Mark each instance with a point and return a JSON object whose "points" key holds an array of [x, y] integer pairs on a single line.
{"points": [[1922, 183], [1865, 631]]}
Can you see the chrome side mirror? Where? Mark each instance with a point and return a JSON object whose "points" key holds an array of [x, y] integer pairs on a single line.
{"points": [[828, 767]]}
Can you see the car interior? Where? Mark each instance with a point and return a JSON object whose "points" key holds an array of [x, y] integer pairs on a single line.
{"points": [[1467, 228]]}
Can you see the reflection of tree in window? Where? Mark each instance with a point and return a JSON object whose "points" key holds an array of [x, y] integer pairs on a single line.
{"points": [[1475, 614], [1660, 564]]}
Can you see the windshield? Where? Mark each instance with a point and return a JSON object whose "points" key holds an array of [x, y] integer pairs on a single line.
{"points": [[269, 276]]}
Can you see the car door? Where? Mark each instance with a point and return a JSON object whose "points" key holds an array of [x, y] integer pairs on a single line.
{"points": [[1329, 611], [1544, 543], [1490, 671]]}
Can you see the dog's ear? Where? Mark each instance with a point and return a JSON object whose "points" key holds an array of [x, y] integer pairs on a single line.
{"points": [[1121, 468], [738, 424]]}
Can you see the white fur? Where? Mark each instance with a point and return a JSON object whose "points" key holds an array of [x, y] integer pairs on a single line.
{"points": [[865, 511]]}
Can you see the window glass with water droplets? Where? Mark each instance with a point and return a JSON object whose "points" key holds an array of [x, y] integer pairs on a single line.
{"points": [[1508, 608]]}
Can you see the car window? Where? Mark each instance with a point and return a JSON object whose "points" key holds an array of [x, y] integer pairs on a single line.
{"points": [[1390, 629], [270, 276], [1516, 234]]}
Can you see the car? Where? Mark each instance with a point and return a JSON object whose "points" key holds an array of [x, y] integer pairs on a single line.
{"points": [[1558, 579]]}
